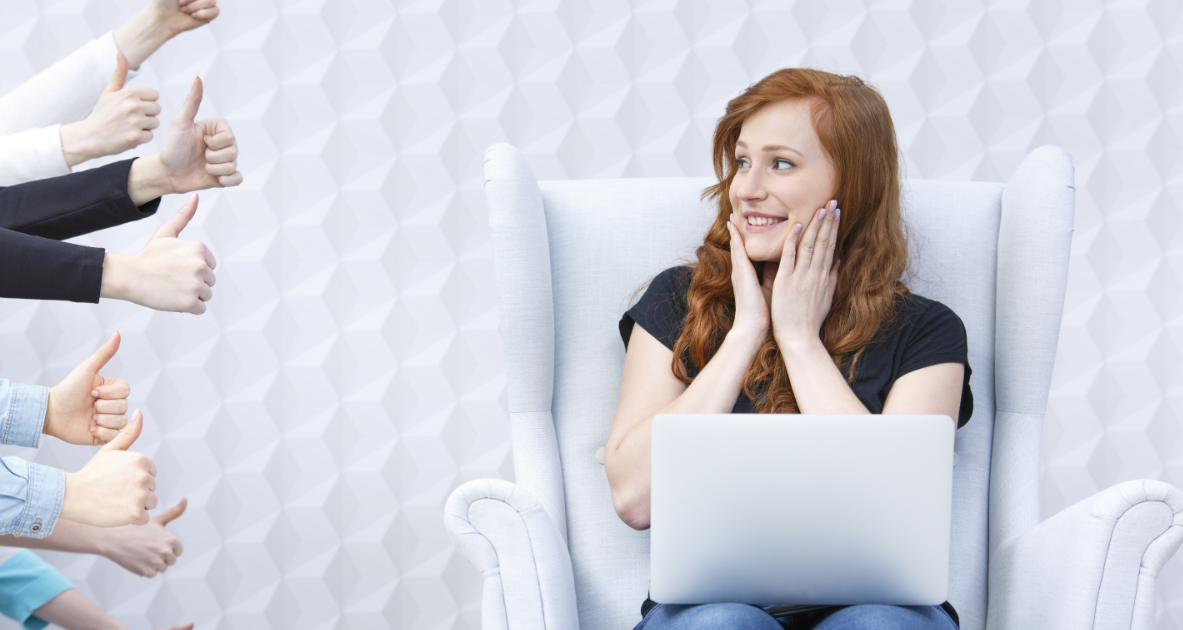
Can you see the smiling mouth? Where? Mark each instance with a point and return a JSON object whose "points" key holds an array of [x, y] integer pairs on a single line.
{"points": [[764, 221]]}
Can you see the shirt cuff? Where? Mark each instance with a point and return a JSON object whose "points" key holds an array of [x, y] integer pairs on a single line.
{"points": [[43, 498], [23, 420]]}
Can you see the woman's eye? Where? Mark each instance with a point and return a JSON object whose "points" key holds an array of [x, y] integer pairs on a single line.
{"points": [[783, 164], [741, 162]]}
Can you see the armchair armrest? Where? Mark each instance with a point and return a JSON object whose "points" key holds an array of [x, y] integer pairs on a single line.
{"points": [[1092, 566], [514, 543]]}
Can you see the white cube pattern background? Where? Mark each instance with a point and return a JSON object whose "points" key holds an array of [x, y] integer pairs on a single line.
{"points": [[349, 374]]}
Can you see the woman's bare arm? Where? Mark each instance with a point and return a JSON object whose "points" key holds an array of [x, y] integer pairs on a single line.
{"points": [[649, 388]]}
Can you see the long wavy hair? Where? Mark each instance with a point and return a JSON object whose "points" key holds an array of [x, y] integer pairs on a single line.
{"points": [[855, 128]]}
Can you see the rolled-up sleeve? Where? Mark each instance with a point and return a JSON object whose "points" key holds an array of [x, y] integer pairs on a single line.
{"points": [[30, 497], [22, 413]]}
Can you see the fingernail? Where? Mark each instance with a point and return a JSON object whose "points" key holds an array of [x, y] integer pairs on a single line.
{"points": [[95, 393], [837, 213], [833, 204], [821, 214], [797, 229], [92, 429]]}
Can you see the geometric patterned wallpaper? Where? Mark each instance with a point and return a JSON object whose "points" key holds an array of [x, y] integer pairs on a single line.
{"points": [[348, 374]]}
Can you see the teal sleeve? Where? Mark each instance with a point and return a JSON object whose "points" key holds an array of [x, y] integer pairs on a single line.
{"points": [[26, 584]]}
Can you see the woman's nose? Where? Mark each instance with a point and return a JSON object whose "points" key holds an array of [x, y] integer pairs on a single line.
{"points": [[750, 186]]}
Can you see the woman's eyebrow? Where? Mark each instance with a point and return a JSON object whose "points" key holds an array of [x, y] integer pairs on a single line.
{"points": [[768, 148]]}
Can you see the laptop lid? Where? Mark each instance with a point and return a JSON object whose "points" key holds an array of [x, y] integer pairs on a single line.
{"points": [[801, 509]]}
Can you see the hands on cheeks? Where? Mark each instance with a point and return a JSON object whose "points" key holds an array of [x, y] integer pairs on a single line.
{"points": [[794, 295], [86, 407], [803, 282]]}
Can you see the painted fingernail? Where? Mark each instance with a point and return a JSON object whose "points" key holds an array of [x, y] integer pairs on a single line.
{"points": [[821, 214], [95, 393], [833, 204], [837, 213], [92, 429], [797, 229]]}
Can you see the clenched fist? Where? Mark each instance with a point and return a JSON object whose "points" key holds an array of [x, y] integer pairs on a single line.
{"points": [[123, 119], [116, 487]]}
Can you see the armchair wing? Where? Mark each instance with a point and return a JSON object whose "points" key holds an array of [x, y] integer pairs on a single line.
{"points": [[1092, 566], [508, 536]]}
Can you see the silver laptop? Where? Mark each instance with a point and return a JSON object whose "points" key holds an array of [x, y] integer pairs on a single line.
{"points": [[801, 509]]}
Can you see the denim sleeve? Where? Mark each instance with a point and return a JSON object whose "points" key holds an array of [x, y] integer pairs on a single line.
{"points": [[22, 413], [30, 497]]}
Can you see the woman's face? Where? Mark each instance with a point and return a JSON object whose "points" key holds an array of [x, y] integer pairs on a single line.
{"points": [[783, 176]]}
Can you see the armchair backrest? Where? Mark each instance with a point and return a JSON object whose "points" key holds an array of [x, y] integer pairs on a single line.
{"points": [[571, 256]]}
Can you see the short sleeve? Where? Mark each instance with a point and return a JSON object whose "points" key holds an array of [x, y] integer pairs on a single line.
{"points": [[661, 309], [938, 336]]}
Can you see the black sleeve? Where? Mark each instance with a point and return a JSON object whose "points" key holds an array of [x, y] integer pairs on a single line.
{"points": [[938, 336], [38, 268], [72, 205], [662, 309]]}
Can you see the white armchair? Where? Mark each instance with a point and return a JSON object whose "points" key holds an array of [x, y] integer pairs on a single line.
{"points": [[569, 259]]}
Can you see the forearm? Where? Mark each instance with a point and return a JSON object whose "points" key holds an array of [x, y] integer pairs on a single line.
{"points": [[62, 93], [72, 611], [141, 36], [67, 536], [45, 269], [714, 390], [818, 384]]}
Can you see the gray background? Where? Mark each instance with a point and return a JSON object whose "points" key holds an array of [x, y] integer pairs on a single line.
{"points": [[348, 375]]}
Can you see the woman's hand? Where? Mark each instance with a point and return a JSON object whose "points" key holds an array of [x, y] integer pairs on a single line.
{"points": [[87, 408], [805, 279], [199, 154], [751, 299], [147, 549], [116, 487], [169, 274], [160, 21], [176, 17], [122, 119]]}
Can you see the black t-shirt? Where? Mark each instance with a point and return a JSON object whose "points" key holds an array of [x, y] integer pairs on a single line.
{"points": [[923, 333]]}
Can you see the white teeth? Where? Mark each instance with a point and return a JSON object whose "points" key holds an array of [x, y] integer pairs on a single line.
{"points": [[758, 221]]}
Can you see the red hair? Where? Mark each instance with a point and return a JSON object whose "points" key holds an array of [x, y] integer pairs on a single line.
{"points": [[855, 128]]}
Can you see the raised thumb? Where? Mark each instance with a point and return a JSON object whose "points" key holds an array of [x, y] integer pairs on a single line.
{"points": [[100, 357], [193, 101], [172, 228], [127, 436], [120, 76]]}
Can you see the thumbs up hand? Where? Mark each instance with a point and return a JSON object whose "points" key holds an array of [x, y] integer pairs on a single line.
{"points": [[122, 119], [199, 154], [145, 550], [116, 487], [86, 407], [169, 274]]}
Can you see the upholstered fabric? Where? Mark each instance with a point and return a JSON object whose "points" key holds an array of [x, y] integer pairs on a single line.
{"points": [[572, 256], [1092, 565]]}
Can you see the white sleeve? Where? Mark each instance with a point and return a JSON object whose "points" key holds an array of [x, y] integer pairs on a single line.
{"points": [[31, 155], [62, 93]]}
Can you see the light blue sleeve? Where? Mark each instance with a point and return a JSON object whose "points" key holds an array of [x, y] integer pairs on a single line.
{"points": [[26, 584], [22, 413], [30, 497]]}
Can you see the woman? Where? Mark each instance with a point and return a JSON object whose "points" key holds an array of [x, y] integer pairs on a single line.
{"points": [[794, 305]]}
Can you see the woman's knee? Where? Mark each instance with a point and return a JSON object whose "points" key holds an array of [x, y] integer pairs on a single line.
{"points": [[875, 617], [710, 617]]}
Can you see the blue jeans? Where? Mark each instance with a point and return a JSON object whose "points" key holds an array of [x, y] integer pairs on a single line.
{"points": [[744, 617]]}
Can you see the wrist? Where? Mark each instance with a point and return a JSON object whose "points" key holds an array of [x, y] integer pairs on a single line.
{"points": [[799, 345], [114, 285], [142, 35], [74, 145], [70, 510], [49, 427], [147, 180], [749, 337]]}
